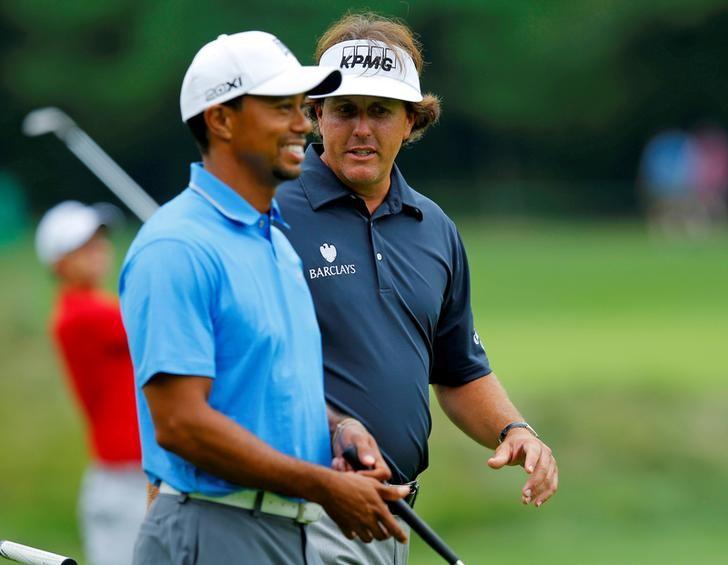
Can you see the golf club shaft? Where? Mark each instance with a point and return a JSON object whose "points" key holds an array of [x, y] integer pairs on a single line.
{"points": [[31, 556], [106, 169], [403, 510], [55, 121]]}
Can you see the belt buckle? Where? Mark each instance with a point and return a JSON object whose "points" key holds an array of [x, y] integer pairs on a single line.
{"points": [[300, 514], [414, 487], [308, 512]]}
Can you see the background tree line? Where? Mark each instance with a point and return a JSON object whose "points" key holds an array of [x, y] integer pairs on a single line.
{"points": [[547, 105]]}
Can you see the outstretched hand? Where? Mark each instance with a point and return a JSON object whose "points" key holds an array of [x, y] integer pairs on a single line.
{"points": [[520, 447]]}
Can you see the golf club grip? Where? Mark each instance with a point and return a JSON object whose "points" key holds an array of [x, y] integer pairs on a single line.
{"points": [[404, 511], [31, 555]]}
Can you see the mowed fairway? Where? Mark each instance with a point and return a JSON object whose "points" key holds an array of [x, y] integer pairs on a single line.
{"points": [[613, 346]]}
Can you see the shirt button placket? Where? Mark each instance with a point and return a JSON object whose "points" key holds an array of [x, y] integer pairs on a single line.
{"points": [[378, 265], [264, 230]]}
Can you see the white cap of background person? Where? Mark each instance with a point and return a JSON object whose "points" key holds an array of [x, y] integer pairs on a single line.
{"points": [[250, 62], [373, 68], [67, 227]]}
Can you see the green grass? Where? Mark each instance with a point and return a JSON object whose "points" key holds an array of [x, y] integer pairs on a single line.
{"points": [[612, 345]]}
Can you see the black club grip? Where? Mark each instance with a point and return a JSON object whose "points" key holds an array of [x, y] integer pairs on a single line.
{"points": [[402, 509]]}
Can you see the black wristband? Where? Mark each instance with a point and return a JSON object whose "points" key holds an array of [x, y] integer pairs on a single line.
{"points": [[509, 427]]}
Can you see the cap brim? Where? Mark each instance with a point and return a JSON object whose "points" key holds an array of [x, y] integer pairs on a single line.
{"points": [[384, 87], [300, 80]]}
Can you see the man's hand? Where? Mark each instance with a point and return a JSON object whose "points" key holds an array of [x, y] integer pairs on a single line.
{"points": [[520, 447], [352, 432], [481, 408], [357, 504]]}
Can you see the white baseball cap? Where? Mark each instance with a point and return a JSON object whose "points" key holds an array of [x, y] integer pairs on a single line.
{"points": [[66, 227], [373, 68], [250, 62]]}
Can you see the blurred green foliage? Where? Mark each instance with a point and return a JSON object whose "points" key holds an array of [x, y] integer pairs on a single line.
{"points": [[13, 213], [563, 93], [612, 345]]}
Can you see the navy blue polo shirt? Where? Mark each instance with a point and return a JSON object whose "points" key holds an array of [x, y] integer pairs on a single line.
{"points": [[392, 297]]}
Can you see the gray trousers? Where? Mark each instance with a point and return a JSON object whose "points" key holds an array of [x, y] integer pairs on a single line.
{"points": [[336, 549], [183, 531]]}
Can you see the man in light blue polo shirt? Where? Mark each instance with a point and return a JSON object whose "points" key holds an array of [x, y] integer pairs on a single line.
{"points": [[223, 335]]}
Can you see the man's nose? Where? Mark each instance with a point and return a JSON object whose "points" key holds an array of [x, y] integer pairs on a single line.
{"points": [[361, 126]]}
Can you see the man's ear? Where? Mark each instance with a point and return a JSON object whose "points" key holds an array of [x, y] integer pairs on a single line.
{"points": [[218, 122], [318, 110], [411, 117]]}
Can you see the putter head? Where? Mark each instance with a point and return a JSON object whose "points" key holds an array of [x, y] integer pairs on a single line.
{"points": [[46, 120]]}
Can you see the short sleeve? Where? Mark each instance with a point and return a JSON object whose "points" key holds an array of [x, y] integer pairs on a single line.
{"points": [[459, 354], [167, 290]]}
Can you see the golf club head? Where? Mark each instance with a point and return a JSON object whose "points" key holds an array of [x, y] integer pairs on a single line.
{"points": [[46, 120]]}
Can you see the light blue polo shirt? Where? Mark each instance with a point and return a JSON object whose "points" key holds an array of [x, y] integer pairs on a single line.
{"points": [[209, 288]]}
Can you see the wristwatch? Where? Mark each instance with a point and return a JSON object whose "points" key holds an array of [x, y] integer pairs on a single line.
{"points": [[509, 427]]}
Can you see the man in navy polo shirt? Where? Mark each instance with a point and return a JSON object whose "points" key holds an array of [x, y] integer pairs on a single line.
{"points": [[223, 334], [389, 278]]}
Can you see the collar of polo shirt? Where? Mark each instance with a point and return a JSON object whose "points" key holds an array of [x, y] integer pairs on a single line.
{"points": [[228, 202], [322, 186]]}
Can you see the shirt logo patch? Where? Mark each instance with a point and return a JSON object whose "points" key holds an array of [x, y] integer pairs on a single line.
{"points": [[476, 339], [328, 252]]}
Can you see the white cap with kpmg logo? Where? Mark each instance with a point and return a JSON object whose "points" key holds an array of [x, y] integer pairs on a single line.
{"points": [[249, 62], [373, 68]]}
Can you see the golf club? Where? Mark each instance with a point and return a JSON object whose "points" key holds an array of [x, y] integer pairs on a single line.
{"points": [[403, 510], [31, 556], [53, 120]]}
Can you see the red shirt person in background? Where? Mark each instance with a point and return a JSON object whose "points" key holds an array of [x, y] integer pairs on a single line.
{"points": [[87, 329]]}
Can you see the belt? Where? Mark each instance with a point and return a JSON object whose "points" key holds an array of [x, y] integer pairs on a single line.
{"points": [[258, 500]]}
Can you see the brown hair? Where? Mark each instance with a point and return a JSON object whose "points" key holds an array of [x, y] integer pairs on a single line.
{"points": [[393, 32]]}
